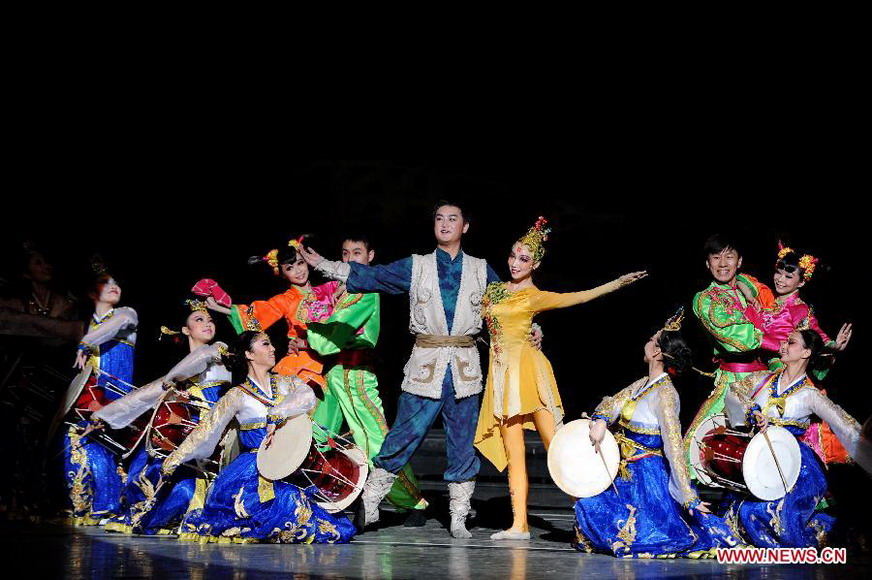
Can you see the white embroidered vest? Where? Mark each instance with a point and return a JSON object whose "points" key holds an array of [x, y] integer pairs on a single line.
{"points": [[426, 368]]}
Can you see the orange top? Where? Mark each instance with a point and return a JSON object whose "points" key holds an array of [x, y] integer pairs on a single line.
{"points": [[298, 306]]}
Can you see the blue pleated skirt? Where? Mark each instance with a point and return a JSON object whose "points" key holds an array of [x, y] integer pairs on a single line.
{"points": [[792, 521], [642, 520], [241, 506], [93, 477]]}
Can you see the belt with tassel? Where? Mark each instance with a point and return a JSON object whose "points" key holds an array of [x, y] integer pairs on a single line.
{"points": [[632, 451]]}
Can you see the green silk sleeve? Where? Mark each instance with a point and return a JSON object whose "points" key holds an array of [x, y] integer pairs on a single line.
{"points": [[340, 331], [728, 325], [749, 283], [236, 320]]}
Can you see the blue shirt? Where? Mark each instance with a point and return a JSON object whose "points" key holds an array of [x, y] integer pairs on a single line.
{"points": [[396, 278]]}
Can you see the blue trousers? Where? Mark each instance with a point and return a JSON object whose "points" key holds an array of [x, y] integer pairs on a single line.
{"points": [[415, 416]]}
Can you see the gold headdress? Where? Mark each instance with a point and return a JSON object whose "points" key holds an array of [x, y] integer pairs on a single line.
{"points": [[804, 323], [674, 322], [196, 305], [535, 238], [98, 265]]}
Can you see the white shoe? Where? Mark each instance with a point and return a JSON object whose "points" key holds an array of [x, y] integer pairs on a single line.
{"points": [[510, 535]]}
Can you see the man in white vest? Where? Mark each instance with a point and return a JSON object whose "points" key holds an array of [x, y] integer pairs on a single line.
{"points": [[444, 372]]}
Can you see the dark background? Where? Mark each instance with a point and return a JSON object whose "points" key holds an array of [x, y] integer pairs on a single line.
{"points": [[164, 221]]}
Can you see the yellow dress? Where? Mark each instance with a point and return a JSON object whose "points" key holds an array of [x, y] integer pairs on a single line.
{"points": [[520, 380]]}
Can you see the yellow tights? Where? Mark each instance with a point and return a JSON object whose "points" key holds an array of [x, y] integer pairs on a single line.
{"points": [[512, 432]]}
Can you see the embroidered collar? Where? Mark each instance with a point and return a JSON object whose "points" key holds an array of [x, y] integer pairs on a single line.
{"points": [[652, 384], [105, 317], [629, 407], [793, 387], [780, 401], [782, 302], [256, 391]]}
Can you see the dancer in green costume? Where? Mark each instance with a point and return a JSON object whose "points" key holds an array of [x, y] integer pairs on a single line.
{"points": [[351, 333], [721, 308]]}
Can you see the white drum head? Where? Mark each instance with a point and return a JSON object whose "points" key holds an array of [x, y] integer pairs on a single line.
{"points": [[697, 447], [759, 469], [359, 457], [76, 387], [575, 466], [290, 446]]}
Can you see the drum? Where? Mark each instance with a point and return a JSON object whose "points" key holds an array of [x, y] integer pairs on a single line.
{"points": [[697, 449], [171, 422], [739, 461], [575, 466], [338, 471], [173, 419], [82, 390]]}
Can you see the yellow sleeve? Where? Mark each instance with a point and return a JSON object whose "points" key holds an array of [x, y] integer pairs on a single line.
{"points": [[541, 301]]}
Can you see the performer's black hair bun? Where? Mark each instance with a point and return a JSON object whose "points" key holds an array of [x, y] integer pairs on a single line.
{"points": [[677, 355]]}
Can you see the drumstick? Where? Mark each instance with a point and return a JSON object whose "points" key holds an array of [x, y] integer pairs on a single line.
{"points": [[606, 466], [777, 464]]}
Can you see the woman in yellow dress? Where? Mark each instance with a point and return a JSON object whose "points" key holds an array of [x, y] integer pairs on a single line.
{"points": [[521, 392]]}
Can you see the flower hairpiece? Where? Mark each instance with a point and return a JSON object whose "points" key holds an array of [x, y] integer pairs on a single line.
{"points": [[296, 243], [807, 262], [272, 258]]}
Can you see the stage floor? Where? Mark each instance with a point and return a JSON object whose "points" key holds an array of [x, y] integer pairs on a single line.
{"points": [[389, 551]]}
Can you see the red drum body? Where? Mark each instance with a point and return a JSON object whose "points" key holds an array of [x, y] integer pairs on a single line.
{"points": [[722, 455], [337, 470], [765, 464], [333, 472], [171, 424], [90, 399]]}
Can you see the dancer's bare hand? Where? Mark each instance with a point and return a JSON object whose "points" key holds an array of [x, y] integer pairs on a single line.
{"points": [[536, 336], [270, 432], [597, 433], [295, 345], [703, 507], [81, 359], [748, 294], [762, 421], [844, 337], [212, 304], [311, 257], [628, 279], [92, 426]]}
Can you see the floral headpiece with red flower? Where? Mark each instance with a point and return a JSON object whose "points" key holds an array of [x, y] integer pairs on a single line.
{"points": [[807, 262], [535, 238]]}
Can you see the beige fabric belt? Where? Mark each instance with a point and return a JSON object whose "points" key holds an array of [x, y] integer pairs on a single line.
{"points": [[436, 341]]}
